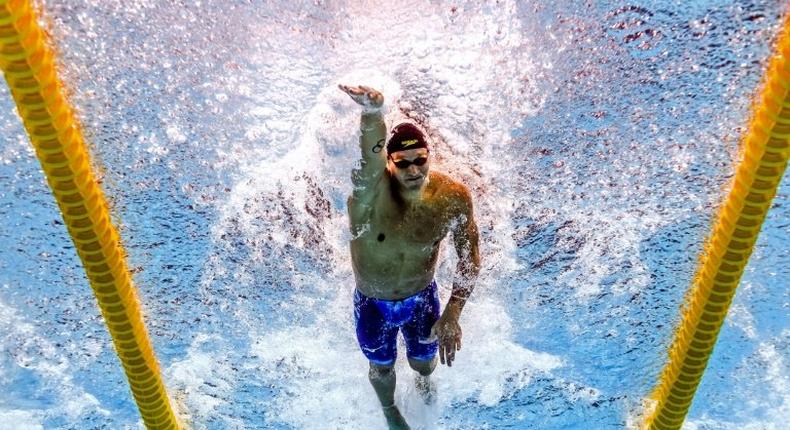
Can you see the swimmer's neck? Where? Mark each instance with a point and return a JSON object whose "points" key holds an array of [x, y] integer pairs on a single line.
{"points": [[412, 197]]}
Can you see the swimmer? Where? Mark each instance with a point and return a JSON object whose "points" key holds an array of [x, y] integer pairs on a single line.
{"points": [[399, 212]]}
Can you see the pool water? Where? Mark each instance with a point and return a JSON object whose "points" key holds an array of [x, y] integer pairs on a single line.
{"points": [[598, 140]]}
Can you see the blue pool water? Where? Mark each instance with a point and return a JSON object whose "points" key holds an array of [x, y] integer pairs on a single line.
{"points": [[598, 139]]}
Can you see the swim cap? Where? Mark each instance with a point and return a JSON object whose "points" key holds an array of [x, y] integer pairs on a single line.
{"points": [[406, 136]]}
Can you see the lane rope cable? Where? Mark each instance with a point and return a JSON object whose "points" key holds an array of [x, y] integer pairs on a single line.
{"points": [[765, 153], [28, 65]]}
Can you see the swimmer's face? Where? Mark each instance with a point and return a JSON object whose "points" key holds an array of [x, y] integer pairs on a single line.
{"points": [[410, 167]]}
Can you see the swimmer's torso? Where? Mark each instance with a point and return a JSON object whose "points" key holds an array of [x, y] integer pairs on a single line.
{"points": [[394, 247]]}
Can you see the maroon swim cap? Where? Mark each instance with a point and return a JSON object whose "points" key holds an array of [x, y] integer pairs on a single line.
{"points": [[406, 136]]}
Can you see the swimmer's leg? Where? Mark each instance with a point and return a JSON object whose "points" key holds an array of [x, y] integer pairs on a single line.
{"points": [[423, 367], [422, 381], [420, 348], [382, 378]]}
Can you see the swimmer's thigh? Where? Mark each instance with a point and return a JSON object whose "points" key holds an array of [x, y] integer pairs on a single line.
{"points": [[417, 330], [377, 339]]}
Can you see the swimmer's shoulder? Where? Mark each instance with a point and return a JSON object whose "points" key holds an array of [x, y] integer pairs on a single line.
{"points": [[450, 191], [442, 182]]}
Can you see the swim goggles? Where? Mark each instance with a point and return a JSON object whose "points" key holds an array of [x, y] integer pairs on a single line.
{"points": [[404, 164]]}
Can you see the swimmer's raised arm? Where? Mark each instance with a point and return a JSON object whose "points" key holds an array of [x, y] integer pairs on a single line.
{"points": [[373, 138]]}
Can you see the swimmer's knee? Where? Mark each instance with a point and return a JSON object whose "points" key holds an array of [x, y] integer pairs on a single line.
{"points": [[380, 370], [423, 367]]}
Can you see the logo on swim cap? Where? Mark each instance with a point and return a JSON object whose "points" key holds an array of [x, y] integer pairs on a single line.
{"points": [[406, 136]]}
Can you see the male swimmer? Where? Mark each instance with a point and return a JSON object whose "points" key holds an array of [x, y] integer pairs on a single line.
{"points": [[400, 211]]}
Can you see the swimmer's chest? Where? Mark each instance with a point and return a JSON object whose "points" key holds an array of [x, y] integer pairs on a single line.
{"points": [[420, 226], [388, 228]]}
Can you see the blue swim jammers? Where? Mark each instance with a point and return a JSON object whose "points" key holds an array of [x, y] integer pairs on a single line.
{"points": [[378, 321]]}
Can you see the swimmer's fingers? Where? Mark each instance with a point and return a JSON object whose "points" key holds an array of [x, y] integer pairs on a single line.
{"points": [[369, 92], [355, 93], [373, 94], [344, 88], [365, 96], [447, 350], [453, 346]]}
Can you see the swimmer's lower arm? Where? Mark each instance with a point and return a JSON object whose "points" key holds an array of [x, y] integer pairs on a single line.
{"points": [[463, 285], [459, 296], [454, 307], [461, 292], [372, 139], [371, 121]]}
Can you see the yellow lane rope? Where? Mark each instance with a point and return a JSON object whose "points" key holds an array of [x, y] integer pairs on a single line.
{"points": [[725, 257], [28, 66]]}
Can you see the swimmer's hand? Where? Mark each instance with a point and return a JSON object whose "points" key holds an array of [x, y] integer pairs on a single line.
{"points": [[448, 332], [371, 100]]}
